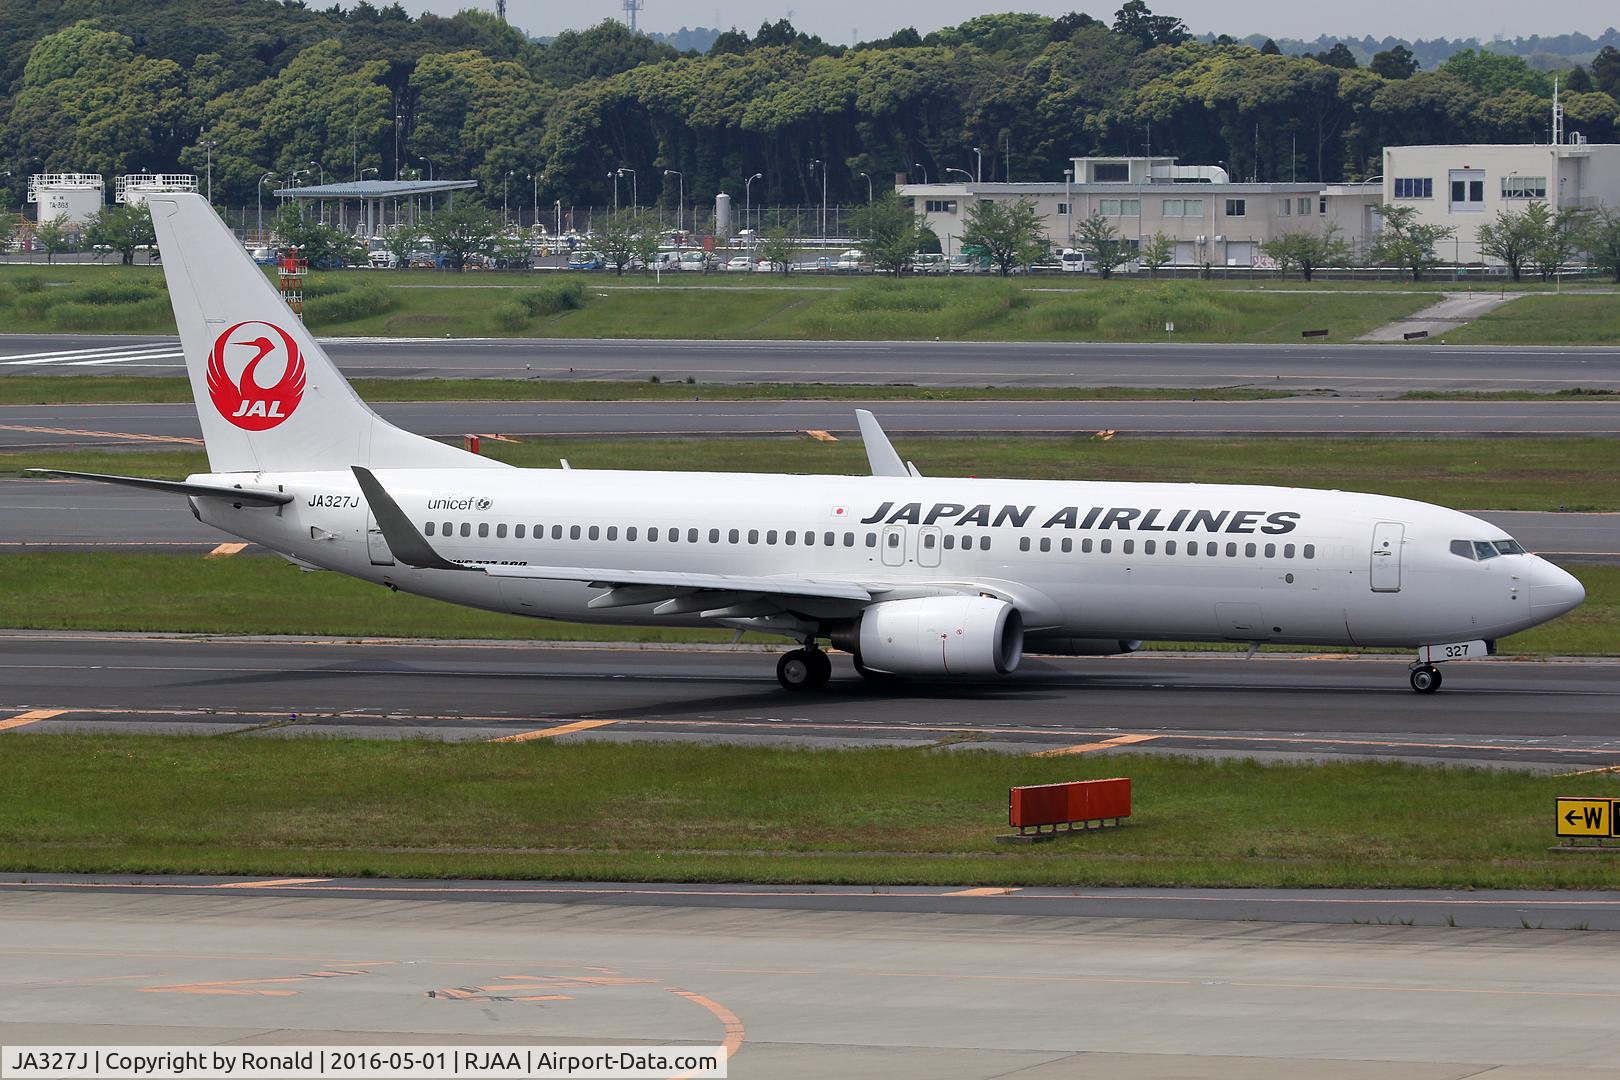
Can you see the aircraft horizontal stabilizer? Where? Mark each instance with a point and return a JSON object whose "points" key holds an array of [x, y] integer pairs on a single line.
{"points": [[245, 496]]}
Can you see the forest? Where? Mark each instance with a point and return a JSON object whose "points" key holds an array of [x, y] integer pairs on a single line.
{"points": [[243, 88]]}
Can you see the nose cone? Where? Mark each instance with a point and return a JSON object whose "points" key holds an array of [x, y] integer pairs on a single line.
{"points": [[1552, 591]]}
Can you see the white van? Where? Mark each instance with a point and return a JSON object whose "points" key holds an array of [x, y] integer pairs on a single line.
{"points": [[1074, 262]]}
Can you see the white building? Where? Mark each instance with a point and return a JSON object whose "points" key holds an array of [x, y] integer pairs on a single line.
{"points": [[1465, 186], [1213, 221], [74, 196]]}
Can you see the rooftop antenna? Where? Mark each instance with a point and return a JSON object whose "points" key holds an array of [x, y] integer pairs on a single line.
{"points": [[630, 9], [1558, 116], [500, 10]]}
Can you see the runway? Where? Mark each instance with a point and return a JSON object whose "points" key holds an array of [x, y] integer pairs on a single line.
{"points": [[1545, 716], [75, 515], [1359, 369], [56, 427], [797, 993]]}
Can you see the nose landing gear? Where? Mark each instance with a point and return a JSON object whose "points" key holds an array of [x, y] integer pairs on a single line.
{"points": [[1425, 678], [804, 669]]}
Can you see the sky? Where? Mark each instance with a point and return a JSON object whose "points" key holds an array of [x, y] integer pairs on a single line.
{"points": [[837, 20]]}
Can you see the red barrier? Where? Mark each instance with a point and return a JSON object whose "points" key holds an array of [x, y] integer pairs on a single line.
{"points": [[1063, 807]]}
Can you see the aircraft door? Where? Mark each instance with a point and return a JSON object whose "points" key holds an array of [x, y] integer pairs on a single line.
{"points": [[1385, 573], [376, 546], [928, 546], [894, 545]]}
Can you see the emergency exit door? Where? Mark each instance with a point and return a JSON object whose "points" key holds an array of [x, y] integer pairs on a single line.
{"points": [[1385, 574], [376, 546]]}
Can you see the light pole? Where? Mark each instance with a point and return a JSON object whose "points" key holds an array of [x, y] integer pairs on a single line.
{"points": [[398, 117], [613, 175], [978, 171], [635, 186], [208, 148], [260, 192], [924, 171], [322, 168], [748, 201], [535, 177], [507, 179], [680, 202], [429, 164], [817, 163], [559, 220], [965, 174], [868, 186]]}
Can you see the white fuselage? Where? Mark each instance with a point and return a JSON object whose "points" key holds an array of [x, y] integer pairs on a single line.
{"points": [[1078, 559]]}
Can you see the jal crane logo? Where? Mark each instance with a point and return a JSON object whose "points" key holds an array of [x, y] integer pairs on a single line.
{"points": [[257, 352]]}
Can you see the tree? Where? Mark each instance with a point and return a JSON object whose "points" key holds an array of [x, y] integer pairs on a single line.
{"points": [[52, 235], [1492, 73], [1134, 20], [1339, 56], [1606, 70], [1270, 48], [1561, 240], [1009, 232], [776, 247], [1308, 252], [123, 229], [1513, 237], [322, 245], [1394, 63], [1603, 241], [1099, 240], [1404, 243], [400, 243], [463, 231], [626, 237], [1157, 253], [890, 232]]}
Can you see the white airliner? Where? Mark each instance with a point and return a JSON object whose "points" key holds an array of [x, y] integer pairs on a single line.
{"points": [[912, 575]]}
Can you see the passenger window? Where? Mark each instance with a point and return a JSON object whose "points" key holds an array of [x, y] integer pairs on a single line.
{"points": [[1149, 547], [1271, 551], [1169, 547], [500, 531], [1068, 545], [829, 539], [967, 543], [1106, 546], [1248, 551], [594, 533], [652, 534], [790, 538], [447, 529], [430, 528], [466, 528], [573, 532], [810, 539], [733, 536], [613, 532], [630, 533], [1128, 547], [928, 541], [849, 540], [1212, 549], [871, 539], [893, 539], [1288, 551], [1192, 547], [950, 541], [556, 532], [753, 536], [1483, 551], [1310, 551], [770, 536], [1085, 546], [483, 528], [1023, 543], [984, 543], [714, 536], [1231, 551], [517, 531], [691, 536]]}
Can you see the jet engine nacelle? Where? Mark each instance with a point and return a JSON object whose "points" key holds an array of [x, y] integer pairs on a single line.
{"points": [[1082, 646], [941, 635]]}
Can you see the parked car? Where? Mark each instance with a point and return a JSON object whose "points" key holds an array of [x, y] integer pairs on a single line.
{"points": [[925, 263], [1074, 262], [586, 260], [766, 266], [263, 254], [666, 260], [698, 260], [852, 261], [740, 262], [964, 264]]}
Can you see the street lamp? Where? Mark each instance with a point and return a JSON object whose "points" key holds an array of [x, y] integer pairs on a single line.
{"points": [[322, 168], [535, 177], [965, 174], [559, 221], [398, 117], [680, 203], [868, 186], [635, 186], [613, 174], [260, 191], [429, 165], [748, 201], [816, 163], [919, 165], [504, 181], [1068, 207], [208, 147], [978, 171]]}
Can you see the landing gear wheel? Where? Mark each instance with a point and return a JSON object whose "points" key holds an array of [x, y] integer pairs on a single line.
{"points": [[1426, 680], [803, 669]]}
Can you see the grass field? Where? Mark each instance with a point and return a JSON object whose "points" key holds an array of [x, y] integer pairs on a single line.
{"points": [[1496, 474], [687, 812], [133, 300], [265, 595], [94, 389], [1564, 319]]}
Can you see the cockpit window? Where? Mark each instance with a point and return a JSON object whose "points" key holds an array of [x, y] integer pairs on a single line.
{"points": [[1484, 550], [1465, 548], [1509, 547]]}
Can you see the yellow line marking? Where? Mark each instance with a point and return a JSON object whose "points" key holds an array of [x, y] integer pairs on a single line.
{"points": [[551, 732], [226, 550], [24, 719], [271, 884], [987, 890], [821, 436], [126, 435], [1591, 772], [1086, 748]]}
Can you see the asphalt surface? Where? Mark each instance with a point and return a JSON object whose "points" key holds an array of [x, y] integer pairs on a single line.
{"points": [[75, 515], [1544, 716], [24, 427], [804, 994], [1361, 369]]}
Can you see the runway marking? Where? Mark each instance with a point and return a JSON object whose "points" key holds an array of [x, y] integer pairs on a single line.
{"points": [[988, 890], [1086, 748], [34, 717], [126, 436], [240, 987], [821, 436], [1591, 772], [225, 551], [552, 732], [735, 1033], [105, 354], [270, 884]]}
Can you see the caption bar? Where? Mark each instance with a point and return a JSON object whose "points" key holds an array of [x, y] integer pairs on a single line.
{"points": [[324, 1062]]}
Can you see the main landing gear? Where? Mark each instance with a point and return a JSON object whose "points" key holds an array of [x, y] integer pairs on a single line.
{"points": [[1425, 678], [807, 668]]}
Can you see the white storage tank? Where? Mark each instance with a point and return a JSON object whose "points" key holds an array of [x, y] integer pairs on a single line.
{"points": [[132, 189], [78, 196], [722, 216]]}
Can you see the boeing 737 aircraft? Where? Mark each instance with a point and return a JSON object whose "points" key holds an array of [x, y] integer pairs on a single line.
{"points": [[912, 575]]}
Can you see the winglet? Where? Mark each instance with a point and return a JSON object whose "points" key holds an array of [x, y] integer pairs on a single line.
{"points": [[879, 451], [408, 545]]}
